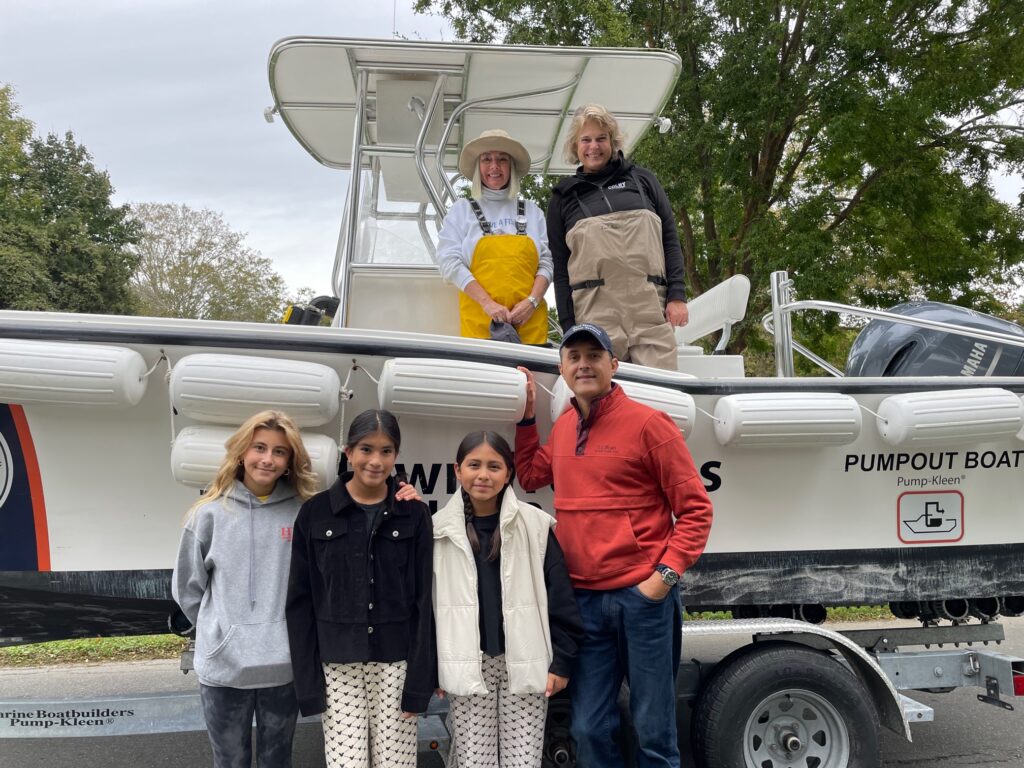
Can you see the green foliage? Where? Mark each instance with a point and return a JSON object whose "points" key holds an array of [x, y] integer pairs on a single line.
{"points": [[101, 649], [554, 329], [63, 245], [23, 277], [860, 613], [848, 143], [192, 265]]}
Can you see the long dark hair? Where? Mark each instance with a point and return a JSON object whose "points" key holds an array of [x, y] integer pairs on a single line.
{"points": [[469, 443]]}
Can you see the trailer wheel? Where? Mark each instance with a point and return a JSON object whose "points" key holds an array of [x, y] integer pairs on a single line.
{"points": [[782, 705]]}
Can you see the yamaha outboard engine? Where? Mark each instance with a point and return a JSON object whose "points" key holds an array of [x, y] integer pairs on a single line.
{"points": [[885, 348]]}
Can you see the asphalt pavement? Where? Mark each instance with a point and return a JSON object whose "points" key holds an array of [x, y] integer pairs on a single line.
{"points": [[965, 732]]}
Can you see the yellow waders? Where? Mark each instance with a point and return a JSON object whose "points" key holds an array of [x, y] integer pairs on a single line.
{"points": [[506, 267], [617, 276]]}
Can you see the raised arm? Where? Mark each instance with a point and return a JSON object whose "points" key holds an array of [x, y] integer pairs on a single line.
{"points": [[533, 460]]}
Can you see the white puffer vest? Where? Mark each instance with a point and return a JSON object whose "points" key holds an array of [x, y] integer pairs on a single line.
{"points": [[524, 537]]}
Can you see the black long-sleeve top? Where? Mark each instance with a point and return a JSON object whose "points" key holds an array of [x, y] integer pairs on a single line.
{"points": [[566, 625], [612, 189], [357, 594]]}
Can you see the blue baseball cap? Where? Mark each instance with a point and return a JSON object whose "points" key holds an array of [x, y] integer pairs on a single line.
{"points": [[588, 329]]}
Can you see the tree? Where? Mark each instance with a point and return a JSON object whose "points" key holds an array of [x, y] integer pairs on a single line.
{"points": [[850, 143], [23, 279], [191, 264], [63, 245]]}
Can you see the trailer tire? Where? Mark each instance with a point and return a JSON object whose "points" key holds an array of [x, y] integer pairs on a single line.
{"points": [[774, 696]]}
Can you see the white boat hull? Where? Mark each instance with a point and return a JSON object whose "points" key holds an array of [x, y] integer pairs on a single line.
{"points": [[92, 531]]}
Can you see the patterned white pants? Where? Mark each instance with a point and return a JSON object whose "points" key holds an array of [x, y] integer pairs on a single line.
{"points": [[363, 724], [497, 730]]}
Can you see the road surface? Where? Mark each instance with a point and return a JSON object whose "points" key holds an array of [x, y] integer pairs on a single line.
{"points": [[965, 732]]}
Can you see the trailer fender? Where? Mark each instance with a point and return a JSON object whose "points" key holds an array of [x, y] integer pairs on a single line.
{"points": [[887, 700]]}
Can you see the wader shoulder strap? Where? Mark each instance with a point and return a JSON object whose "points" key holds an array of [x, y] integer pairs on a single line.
{"points": [[485, 225], [587, 213], [640, 189], [656, 279], [520, 217]]}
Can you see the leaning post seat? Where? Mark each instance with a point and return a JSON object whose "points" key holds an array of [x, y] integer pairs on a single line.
{"points": [[714, 310]]}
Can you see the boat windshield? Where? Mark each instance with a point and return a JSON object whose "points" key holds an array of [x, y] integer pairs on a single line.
{"points": [[397, 232]]}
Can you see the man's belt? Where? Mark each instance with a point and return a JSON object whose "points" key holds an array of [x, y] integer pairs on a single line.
{"points": [[656, 279]]}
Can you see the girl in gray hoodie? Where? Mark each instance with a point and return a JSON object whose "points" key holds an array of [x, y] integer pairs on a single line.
{"points": [[231, 581]]}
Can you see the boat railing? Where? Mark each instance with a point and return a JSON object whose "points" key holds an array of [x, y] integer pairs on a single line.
{"points": [[779, 324], [419, 152]]}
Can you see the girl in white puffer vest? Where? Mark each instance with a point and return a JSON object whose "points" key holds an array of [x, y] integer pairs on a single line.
{"points": [[505, 612]]}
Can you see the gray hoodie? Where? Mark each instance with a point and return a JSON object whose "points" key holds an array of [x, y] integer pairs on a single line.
{"points": [[231, 580]]}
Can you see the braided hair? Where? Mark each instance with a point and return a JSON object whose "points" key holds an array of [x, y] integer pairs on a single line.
{"points": [[469, 443]]}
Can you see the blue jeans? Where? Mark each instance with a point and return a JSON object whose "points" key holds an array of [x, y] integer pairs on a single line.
{"points": [[626, 635], [229, 713]]}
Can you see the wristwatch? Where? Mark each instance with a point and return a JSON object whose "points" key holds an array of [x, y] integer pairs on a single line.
{"points": [[668, 576], [533, 301]]}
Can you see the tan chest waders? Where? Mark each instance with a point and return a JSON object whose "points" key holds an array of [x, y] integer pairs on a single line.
{"points": [[617, 277]]}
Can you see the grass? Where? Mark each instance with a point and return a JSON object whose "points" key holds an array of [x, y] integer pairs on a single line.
{"points": [[860, 613], [85, 650], [846, 613], [146, 647]]}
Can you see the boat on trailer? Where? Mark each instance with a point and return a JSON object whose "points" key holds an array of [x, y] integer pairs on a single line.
{"points": [[828, 490]]}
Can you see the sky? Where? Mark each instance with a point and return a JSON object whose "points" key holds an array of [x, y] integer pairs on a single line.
{"points": [[168, 97]]}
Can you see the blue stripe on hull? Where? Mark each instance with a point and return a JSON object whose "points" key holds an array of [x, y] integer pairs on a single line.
{"points": [[18, 542]]}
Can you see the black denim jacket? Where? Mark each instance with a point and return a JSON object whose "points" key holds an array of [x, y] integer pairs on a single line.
{"points": [[356, 595]]}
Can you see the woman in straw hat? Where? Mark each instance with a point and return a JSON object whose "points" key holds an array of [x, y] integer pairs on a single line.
{"points": [[493, 246]]}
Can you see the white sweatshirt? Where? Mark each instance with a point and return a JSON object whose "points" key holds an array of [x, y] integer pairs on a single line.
{"points": [[461, 232]]}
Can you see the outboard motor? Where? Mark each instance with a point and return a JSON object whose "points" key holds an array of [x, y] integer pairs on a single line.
{"points": [[885, 348]]}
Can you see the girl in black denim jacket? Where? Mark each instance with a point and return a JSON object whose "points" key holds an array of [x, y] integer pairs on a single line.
{"points": [[359, 612]]}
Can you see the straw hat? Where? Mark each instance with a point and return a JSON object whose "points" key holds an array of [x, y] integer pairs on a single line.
{"points": [[494, 140]]}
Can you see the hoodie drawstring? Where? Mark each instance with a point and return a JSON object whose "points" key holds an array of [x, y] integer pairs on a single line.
{"points": [[252, 555]]}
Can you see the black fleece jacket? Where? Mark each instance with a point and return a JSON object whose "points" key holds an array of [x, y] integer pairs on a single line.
{"points": [[564, 211], [358, 595]]}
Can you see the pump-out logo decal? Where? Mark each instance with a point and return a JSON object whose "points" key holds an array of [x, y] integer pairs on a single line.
{"points": [[25, 543], [930, 517]]}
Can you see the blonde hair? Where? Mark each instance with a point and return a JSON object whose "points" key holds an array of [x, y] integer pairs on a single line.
{"points": [[513, 180], [299, 472], [594, 113]]}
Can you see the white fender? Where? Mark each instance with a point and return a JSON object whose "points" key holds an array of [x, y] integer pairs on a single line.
{"points": [[228, 389], [198, 451], [788, 419], [950, 416], [453, 389], [68, 373]]}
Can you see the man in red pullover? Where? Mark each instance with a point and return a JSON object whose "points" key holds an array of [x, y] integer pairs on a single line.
{"points": [[632, 516]]}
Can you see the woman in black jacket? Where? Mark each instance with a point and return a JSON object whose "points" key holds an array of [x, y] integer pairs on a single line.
{"points": [[360, 621], [613, 239]]}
